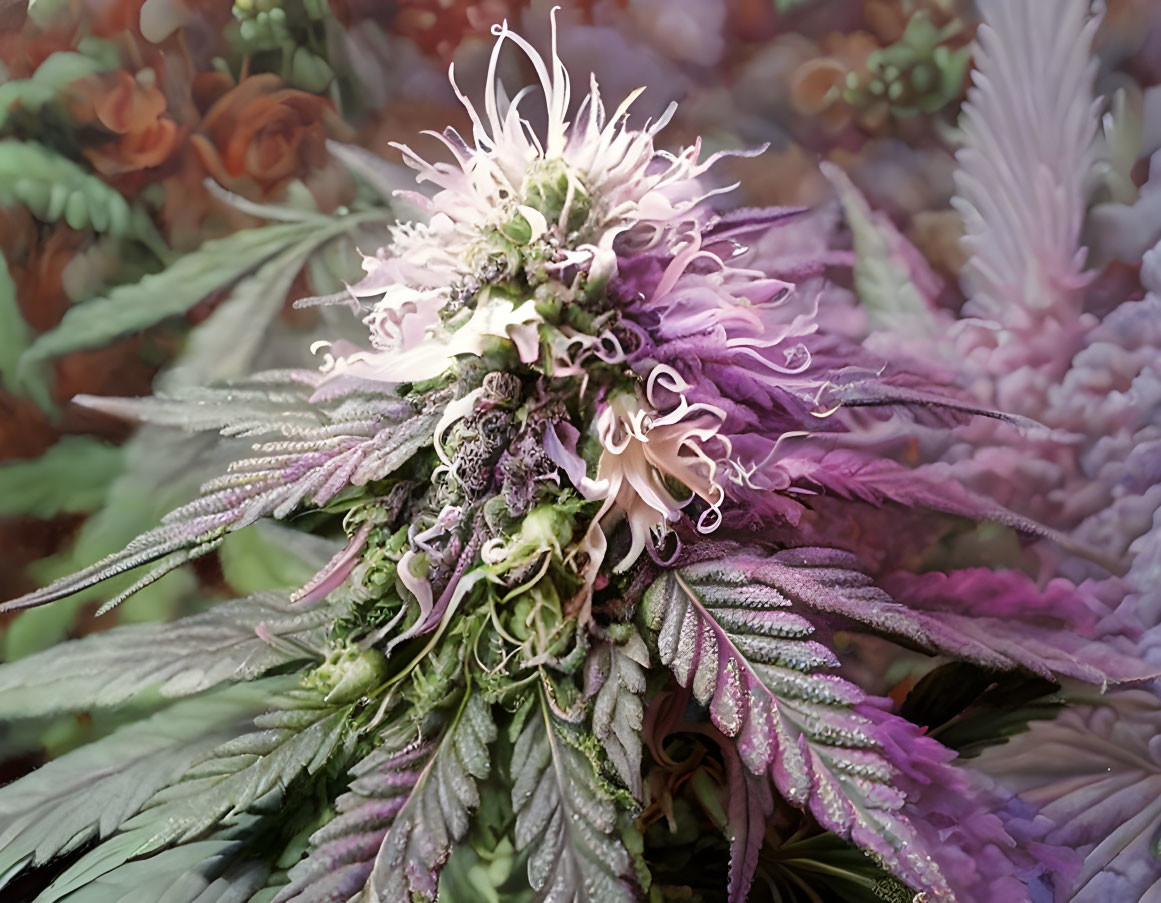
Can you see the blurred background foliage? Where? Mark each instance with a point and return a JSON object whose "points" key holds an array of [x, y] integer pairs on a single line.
{"points": [[176, 174]]}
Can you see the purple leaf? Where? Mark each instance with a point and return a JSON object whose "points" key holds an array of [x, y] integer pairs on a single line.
{"points": [[334, 572], [434, 814], [984, 842], [856, 475], [1095, 776], [828, 582], [981, 592], [751, 662], [342, 852], [749, 806], [740, 633]]}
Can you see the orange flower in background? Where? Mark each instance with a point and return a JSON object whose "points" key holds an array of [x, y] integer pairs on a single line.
{"points": [[438, 27], [753, 20], [22, 50], [36, 258], [260, 133], [816, 88], [888, 19], [112, 18], [133, 110]]}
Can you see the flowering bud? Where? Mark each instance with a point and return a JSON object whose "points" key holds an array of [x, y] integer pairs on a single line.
{"points": [[546, 527], [517, 229], [546, 188], [349, 673]]}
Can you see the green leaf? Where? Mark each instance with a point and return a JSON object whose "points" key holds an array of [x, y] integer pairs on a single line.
{"points": [[39, 628], [162, 469], [470, 877], [43, 12], [944, 692], [53, 188], [14, 331], [565, 821], [192, 873], [826, 863], [89, 792], [299, 735], [72, 476], [180, 658], [226, 343], [173, 291], [882, 280], [268, 556], [968, 709]]}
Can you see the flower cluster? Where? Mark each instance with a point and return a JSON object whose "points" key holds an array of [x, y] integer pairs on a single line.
{"points": [[617, 525]]}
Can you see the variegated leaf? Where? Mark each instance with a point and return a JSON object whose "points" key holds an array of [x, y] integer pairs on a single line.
{"points": [[342, 853], [740, 633], [435, 813], [751, 660], [564, 819]]}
